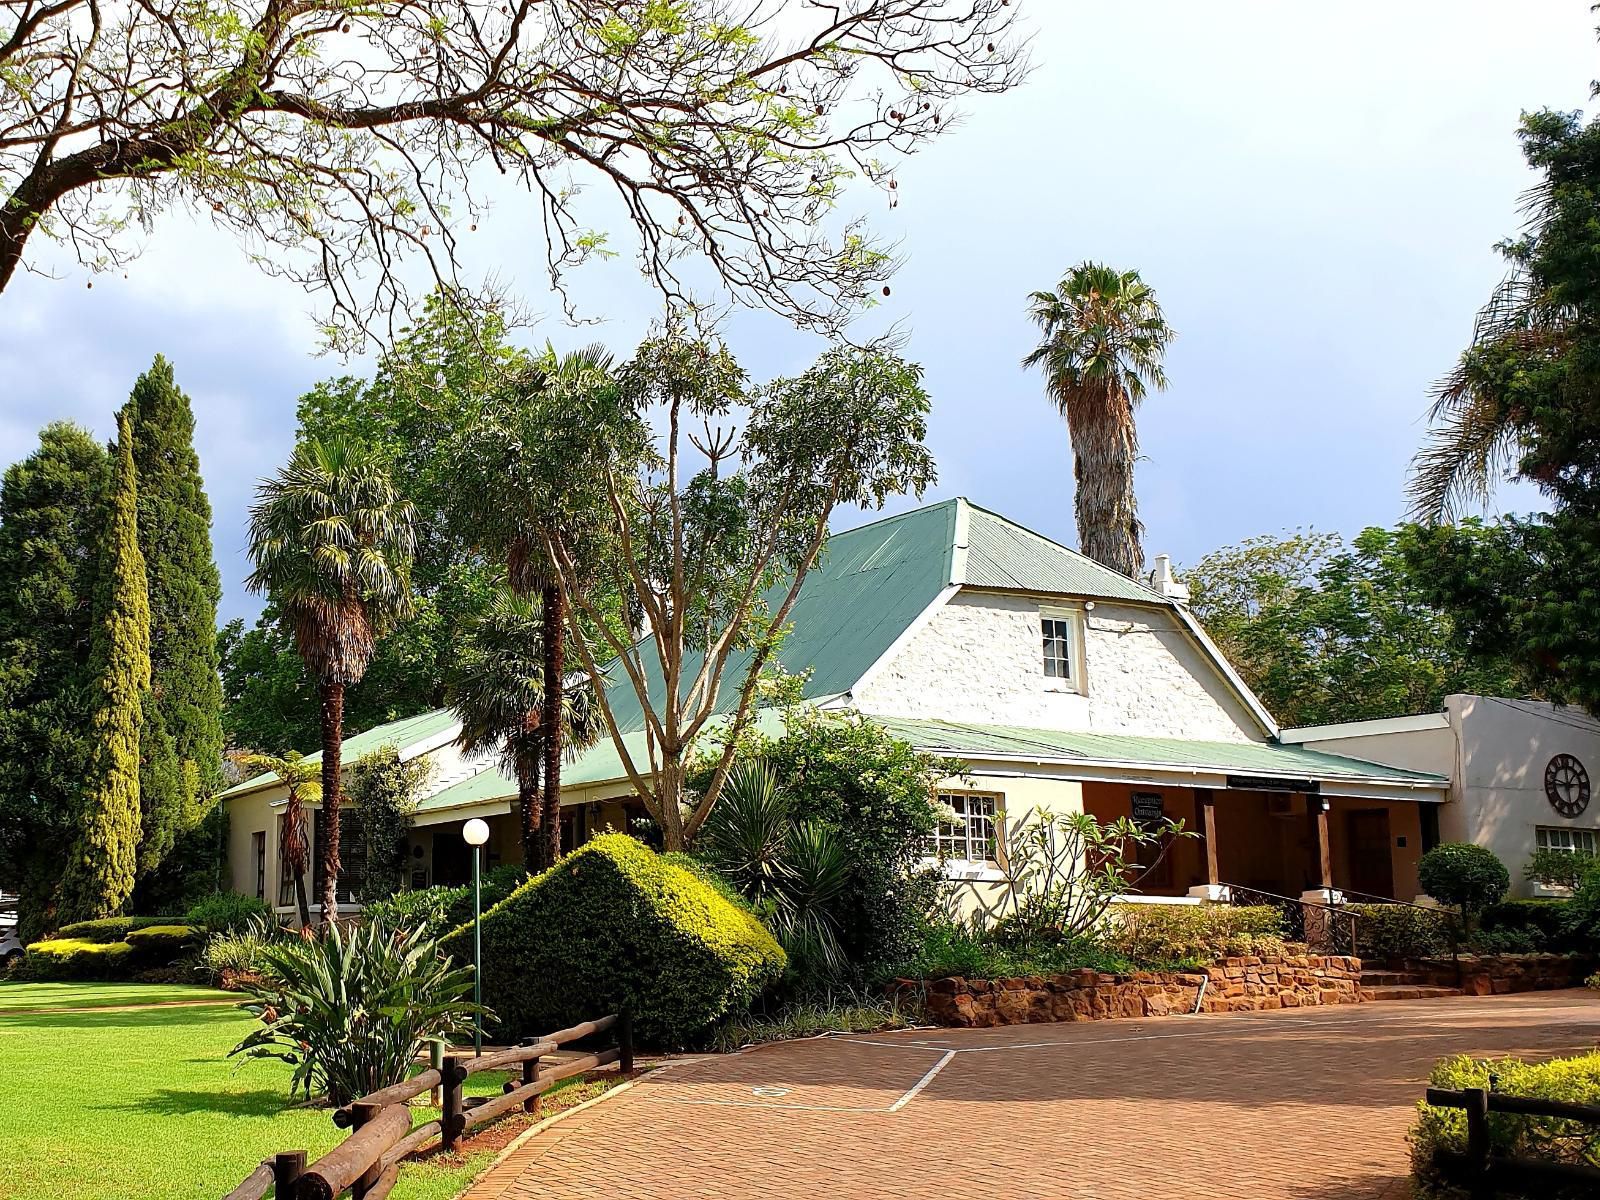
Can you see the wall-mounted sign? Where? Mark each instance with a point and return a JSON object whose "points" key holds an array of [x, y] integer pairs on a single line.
{"points": [[1566, 785], [1271, 783], [1148, 806]]}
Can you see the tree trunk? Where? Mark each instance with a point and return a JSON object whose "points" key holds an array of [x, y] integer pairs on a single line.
{"points": [[1104, 446], [554, 701], [332, 740], [300, 899], [669, 794], [529, 802]]}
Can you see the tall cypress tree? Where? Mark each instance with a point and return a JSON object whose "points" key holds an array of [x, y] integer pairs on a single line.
{"points": [[182, 743], [51, 518], [100, 873]]}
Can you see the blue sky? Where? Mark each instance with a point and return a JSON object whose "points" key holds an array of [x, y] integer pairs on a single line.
{"points": [[1313, 192]]}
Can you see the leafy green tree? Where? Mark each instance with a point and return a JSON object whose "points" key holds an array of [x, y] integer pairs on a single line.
{"points": [[1326, 632], [52, 514], [872, 794], [1526, 393], [1104, 342], [709, 552], [182, 749], [498, 692], [385, 790], [347, 144], [427, 387], [99, 875], [557, 502], [332, 543]]}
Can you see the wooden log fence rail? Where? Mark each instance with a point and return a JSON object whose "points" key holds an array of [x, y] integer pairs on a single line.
{"points": [[366, 1165], [1485, 1174]]}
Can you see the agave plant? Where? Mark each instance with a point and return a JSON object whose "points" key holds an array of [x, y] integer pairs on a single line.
{"points": [[794, 872], [350, 1010]]}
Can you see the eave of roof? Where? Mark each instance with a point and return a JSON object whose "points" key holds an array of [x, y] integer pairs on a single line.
{"points": [[409, 735], [968, 741]]}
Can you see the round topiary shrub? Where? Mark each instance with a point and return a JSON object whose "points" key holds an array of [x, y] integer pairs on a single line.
{"points": [[1464, 876]]}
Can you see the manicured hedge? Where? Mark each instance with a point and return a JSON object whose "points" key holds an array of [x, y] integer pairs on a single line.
{"points": [[1543, 924], [1167, 934], [1394, 932], [160, 944], [613, 926], [1576, 1080], [75, 958], [226, 912], [108, 929]]}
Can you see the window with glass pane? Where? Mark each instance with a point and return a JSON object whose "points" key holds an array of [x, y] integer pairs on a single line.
{"points": [[1057, 647], [1581, 841], [971, 837]]}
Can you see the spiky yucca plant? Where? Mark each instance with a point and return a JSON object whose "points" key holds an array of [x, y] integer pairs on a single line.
{"points": [[352, 1009]]}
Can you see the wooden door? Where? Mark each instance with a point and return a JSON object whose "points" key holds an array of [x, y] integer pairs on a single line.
{"points": [[1371, 859]]}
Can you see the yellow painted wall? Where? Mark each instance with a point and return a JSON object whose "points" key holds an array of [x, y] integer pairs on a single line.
{"points": [[247, 815]]}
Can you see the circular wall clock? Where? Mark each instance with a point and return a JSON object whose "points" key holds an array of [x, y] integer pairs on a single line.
{"points": [[1566, 785]]}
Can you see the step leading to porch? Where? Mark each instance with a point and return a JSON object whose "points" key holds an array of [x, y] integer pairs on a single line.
{"points": [[1405, 991]]}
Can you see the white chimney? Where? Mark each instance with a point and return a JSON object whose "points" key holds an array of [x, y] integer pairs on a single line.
{"points": [[1162, 580]]}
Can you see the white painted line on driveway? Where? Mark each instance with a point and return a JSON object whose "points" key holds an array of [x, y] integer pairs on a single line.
{"points": [[923, 1082]]}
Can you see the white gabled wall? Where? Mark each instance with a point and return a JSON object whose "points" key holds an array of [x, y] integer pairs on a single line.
{"points": [[979, 659]]}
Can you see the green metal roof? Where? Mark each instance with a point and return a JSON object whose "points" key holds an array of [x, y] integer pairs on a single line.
{"points": [[599, 764], [868, 586], [874, 580], [402, 733], [1002, 554], [960, 740]]}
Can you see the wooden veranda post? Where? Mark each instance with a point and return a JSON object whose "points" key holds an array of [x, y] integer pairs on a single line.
{"points": [[1208, 830], [1317, 808]]}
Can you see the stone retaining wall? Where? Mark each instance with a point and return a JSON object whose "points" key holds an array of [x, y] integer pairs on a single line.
{"points": [[1233, 985], [1504, 973]]}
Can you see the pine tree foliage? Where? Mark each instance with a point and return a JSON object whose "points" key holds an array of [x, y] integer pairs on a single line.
{"points": [[182, 741], [99, 875], [51, 514]]}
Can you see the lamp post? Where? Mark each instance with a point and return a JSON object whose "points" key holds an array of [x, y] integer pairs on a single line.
{"points": [[476, 833]]}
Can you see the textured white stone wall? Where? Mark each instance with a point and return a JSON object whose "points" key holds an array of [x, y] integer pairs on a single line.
{"points": [[978, 659]]}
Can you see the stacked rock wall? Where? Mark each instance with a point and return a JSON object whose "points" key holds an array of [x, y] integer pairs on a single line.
{"points": [[1241, 984]]}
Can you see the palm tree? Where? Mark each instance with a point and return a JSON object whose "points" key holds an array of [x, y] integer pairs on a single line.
{"points": [[300, 777], [332, 545], [1103, 345], [1476, 434], [560, 380], [498, 692]]}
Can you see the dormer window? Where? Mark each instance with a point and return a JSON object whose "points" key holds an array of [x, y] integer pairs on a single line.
{"points": [[1061, 649], [1057, 646]]}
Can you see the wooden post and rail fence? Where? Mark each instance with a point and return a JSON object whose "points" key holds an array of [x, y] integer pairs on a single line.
{"points": [[1485, 1174], [367, 1163]]}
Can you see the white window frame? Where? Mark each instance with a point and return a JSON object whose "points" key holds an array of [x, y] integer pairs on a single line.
{"points": [[1072, 618], [1573, 837], [955, 849]]}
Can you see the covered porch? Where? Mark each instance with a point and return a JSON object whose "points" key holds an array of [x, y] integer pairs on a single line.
{"points": [[1280, 842]]}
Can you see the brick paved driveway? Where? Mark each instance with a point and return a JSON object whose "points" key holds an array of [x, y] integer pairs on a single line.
{"points": [[1310, 1104]]}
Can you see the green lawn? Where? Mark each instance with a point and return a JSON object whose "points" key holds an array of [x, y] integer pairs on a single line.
{"points": [[102, 995], [148, 1103]]}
